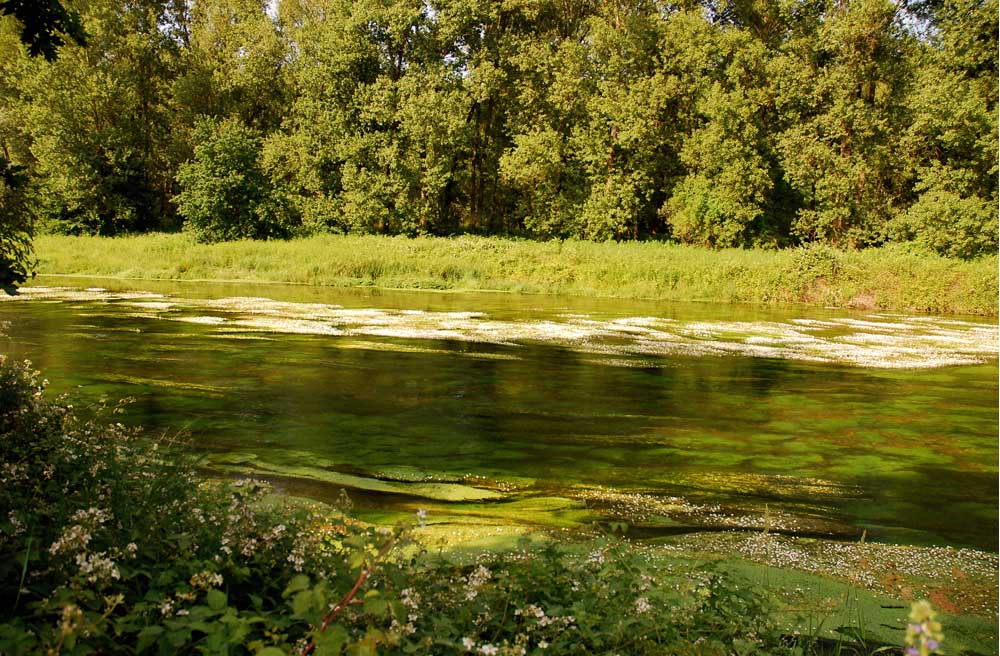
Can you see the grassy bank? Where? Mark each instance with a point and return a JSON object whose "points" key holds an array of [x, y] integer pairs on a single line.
{"points": [[883, 279]]}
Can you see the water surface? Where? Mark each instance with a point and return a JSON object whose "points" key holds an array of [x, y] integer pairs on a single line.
{"points": [[547, 411]]}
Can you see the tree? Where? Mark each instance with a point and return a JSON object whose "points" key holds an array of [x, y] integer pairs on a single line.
{"points": [[44, 24], [225, 193], [624, 143], [951, 142], [841, 86], [234, 65], [99, 122], [16, 226], [731, 194]]}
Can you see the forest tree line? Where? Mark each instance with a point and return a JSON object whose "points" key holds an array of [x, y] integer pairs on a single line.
{"points": [[711, 122]]}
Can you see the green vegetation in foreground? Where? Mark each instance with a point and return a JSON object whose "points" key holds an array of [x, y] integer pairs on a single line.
{"points": [[889, 278], [108, 546]]}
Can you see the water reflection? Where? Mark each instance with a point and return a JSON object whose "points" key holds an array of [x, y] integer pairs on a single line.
{"points": [[671, 443]]}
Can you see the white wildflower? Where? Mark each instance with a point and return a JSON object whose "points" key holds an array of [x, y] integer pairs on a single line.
{"points": [[74, 538], [476, 580], [16, 525], [91, 516], [409, 598], [96, 567], [206, 580]]}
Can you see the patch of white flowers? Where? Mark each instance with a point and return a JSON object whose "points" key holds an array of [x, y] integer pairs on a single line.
{"points": [[97, 568], [206, 580], [476, 580]]}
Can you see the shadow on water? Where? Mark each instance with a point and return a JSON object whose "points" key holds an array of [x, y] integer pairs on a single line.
{"points": [[951, 507], [909, 455]]}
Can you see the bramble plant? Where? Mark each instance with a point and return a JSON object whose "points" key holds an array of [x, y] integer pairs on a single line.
{"points": [[106, 548]]}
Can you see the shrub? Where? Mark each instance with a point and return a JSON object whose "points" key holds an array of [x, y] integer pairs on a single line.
{"points": [[949, 224], [111, 545], [225, 193], [706, 214], [612, 209]]}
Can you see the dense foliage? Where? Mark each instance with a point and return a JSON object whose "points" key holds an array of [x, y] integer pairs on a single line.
{"points": [[710, 122], [225, 194], [110, 546], [16, 225]]}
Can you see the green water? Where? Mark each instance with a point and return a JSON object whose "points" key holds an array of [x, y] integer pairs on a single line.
{"points": [[551, 412]]}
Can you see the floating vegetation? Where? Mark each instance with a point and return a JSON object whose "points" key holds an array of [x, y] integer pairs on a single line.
{"points": [[966, 577], [638, 508], [74, 294], [876, 341], [769, 485], [158, 382], [250, 465], [210, 321], [649, 511]]}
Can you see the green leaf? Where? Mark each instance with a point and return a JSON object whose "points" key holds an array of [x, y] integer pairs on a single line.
{"points": [[297, 584], [302, 603], [271, 651], [217, 599], [376, 606], [147, 637], [356, 559], [331, 642]]}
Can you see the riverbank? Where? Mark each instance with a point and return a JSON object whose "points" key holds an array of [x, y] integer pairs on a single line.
{"points": [[887, 279]]}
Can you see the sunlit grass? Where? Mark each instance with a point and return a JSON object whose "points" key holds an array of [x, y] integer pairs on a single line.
{"points": [[883, 279]]}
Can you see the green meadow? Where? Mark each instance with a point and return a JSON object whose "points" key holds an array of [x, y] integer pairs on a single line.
{"points": [[887, 279]]}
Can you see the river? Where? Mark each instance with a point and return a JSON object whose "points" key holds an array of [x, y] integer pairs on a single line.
{"points": [[548, 412]]}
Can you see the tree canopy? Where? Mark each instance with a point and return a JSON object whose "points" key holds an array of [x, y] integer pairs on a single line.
{"points": [[714, 122]]}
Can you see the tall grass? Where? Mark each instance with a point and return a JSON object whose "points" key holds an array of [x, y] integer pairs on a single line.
{"points": [[884, 279]]}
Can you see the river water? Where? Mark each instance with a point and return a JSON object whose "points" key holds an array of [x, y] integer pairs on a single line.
{"points": [[548, 412]]}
